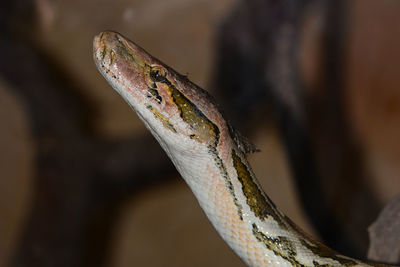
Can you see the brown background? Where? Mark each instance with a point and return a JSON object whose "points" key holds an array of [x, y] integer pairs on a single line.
{"points": [[164, 226]]}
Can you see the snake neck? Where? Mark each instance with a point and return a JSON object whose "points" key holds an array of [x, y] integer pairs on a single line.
{"points": [[228, 192]]}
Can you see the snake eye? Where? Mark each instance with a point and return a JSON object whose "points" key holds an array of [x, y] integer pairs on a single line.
{"points": [[157, 74]]}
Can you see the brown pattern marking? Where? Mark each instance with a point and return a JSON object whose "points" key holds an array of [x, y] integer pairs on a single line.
{"points": [[259, 204], [165, 121], [280, 245], [324, 252]]}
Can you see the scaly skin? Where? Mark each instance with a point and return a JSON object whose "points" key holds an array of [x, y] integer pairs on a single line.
{"points": [[210, 156]]}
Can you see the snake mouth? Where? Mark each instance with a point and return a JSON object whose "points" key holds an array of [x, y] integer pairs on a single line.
{"points": [[123, 65]]}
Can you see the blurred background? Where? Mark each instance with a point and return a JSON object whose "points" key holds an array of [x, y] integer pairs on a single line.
{"points": [[315, 84]]}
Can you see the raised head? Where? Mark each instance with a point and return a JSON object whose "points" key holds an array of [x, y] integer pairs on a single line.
{"points": [[163, 98]]}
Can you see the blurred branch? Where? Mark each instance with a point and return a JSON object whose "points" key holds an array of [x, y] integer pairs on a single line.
{"points": [[81, 179], [258, 66]]}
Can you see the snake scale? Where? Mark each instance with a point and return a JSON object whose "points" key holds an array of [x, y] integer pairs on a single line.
{"points": [[211, 157]]}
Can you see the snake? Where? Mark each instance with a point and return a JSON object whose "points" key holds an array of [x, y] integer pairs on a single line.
{"points": [[210, 155]]}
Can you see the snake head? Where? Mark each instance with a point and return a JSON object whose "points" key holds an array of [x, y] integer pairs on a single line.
{"points": [[166, 101]]}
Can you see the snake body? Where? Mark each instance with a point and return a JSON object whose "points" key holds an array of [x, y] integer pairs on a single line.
{"points": [[210, 156]]}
